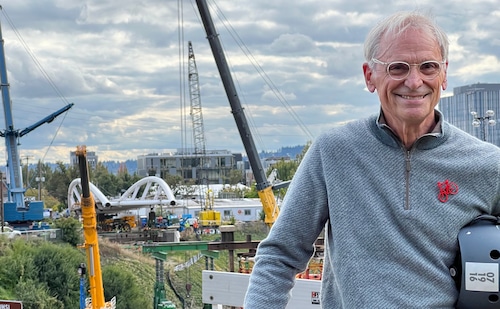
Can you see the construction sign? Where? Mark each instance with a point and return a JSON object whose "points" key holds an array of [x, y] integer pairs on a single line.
{"points": [[10, 304]]}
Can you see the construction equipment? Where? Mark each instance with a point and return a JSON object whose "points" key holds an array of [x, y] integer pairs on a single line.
{"points": [[229, 288], [264, 188], [121, 224], [91, 244], [18, 210], [208, 216], [160, 300]]}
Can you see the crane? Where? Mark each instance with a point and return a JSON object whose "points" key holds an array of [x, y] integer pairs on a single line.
{"points": [[229, 288], [91, 244], [196, 111], [208, 216], [17, 208], [264, 187]]}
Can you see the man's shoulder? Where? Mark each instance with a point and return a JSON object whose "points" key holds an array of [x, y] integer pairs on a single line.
{"points": [[351, 127], [468, 140]]}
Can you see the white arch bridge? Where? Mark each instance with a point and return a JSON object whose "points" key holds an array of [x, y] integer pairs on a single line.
{"points": [[147, 192]]}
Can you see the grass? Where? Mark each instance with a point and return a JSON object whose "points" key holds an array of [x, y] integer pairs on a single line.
{"points": [[186, 283]]}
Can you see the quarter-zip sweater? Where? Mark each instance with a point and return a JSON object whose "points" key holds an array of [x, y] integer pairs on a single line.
{"points": [[389, 238]]}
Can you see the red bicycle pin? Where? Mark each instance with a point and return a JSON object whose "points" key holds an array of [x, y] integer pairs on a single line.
{"points": [[446, 188]]}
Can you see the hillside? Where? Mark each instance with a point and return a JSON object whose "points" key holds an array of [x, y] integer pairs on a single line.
{"points": [[43, 274], [131, 257]]}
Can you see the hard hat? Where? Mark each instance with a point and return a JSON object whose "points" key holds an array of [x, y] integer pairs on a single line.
{"points": [[476, 267]]}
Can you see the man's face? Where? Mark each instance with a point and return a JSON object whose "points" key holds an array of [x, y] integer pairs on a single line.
{"points": [[410, 101]]}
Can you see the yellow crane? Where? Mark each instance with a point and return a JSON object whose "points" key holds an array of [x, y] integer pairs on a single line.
{"points": [[91, 244]]}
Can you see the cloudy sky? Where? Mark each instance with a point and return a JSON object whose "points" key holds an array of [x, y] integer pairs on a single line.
{"points": [[296, 66]]}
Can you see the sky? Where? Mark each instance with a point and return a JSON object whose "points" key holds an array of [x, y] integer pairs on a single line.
{"points": [[297, 67]]}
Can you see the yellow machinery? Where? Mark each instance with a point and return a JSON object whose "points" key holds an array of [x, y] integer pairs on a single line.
{"points": [[91, 244], [122, 224], [209, 217]]}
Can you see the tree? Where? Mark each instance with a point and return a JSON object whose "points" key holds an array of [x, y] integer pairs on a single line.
{"points": [[252, 193], [56, 267], [15, 263], [286, 169], [41, 274], [58, 183], [175, 182], [71, 230], [304, 151], [120, 282], [36, 295], [235, 176]]}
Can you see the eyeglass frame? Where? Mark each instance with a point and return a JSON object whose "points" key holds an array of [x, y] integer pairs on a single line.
{"points": [[427, 77]]}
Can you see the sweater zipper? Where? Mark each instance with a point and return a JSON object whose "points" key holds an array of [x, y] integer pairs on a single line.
{"points": [[407, 179]]}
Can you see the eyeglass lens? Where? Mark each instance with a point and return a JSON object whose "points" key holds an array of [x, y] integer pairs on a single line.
{"points": [[400, 70]]}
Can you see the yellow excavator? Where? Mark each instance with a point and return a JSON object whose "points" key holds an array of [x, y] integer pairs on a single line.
{"points": [[91, 244]]}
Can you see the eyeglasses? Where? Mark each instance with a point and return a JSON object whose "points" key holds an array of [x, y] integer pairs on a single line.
{"points": [[399, 70]]}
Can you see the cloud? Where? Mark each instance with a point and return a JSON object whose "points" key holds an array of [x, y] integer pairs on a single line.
{"points": [[123, 64]]}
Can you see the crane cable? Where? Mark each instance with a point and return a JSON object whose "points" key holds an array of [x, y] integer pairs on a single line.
{"points": [[182, 75], [44, 73], [261, 71]]}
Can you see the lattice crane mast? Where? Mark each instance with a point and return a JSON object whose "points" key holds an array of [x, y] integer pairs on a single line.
{"points": [[196, 111], [208, 216]]}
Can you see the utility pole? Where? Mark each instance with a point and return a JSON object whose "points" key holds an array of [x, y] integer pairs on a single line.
{"points": [[27, 157], [40, 179]]}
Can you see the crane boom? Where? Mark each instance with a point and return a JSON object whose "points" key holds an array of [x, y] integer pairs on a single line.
{"points": [[196, 111], [16, 189], [91, 244], [264, 188], [15, 174]]}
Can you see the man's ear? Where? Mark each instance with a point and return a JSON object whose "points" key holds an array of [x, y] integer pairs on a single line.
{"points": [[444, 85], [367, 72]]}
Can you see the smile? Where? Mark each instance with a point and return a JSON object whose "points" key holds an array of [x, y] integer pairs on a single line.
{"points": [[407, 97]]}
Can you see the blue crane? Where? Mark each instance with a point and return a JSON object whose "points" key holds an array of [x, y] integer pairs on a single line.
{"points": [[15, 182]]}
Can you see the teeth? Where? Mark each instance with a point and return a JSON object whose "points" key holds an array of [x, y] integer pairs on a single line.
{"points": [[412, 98]]}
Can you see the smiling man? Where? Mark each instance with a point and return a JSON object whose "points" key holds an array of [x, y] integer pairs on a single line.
{"points": [[409, 79], [391, 192]]}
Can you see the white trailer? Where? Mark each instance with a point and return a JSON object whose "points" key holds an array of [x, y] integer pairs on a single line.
{"points": [[226, 288]]}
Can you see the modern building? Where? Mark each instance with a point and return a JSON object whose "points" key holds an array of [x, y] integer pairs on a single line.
{"points": [[211, 168], [475, 109], [92, 159]]}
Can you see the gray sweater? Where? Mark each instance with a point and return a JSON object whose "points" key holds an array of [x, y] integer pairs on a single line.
{"points": [[389, 240]]}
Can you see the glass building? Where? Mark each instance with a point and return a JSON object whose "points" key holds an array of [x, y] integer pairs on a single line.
{"points": [[475, 109]]}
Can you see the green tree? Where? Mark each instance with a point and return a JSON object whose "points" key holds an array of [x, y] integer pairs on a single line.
{"points": [[120, 282], [175, 182], [252, 193], [15, 263], [71, 230], [36, 295], [304, 151], [286, 169], [56, 268], [235, 176], [41, 274], [58, 183]]}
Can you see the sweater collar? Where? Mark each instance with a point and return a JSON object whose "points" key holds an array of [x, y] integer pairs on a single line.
{"points": [[427, 141]]}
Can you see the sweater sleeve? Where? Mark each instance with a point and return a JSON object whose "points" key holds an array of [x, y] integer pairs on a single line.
{"points": [[290, 243]]}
